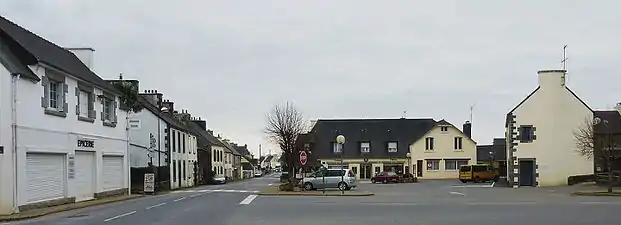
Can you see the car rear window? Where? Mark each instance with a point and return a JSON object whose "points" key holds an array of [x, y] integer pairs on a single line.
{"points": [[392, 174]]}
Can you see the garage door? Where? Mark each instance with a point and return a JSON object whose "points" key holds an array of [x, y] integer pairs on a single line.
{"points": [[112, 172], [84, 175], [45, 176]]}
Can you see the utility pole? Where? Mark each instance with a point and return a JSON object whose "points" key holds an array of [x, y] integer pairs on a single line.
{"points": [[260, 163], [564, 60]]}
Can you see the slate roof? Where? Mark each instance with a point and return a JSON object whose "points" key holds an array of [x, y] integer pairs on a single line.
{"points": [[242, 150], [376, 131], [201, 135], [230, 148], [53, 55], [164, 116], [614, 122], [498, 149]]}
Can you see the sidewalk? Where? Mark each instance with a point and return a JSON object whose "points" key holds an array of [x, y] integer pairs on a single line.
{"points": [[33, 213]]}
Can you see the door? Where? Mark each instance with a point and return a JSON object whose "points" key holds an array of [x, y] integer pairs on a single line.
{"points": [[45, 176], [419, 168], [527, 172], [112, 167], [365, 171], [84, 175]]}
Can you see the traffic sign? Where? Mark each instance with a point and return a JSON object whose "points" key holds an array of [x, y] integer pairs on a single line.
{"points": [[303, 158]]}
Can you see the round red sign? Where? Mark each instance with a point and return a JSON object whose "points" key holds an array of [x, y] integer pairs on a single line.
{"points": [[303, 158]]}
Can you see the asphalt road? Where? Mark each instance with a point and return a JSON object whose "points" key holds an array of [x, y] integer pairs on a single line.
{"points": [[428, 202]]}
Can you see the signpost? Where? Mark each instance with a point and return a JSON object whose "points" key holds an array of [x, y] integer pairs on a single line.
{"points": [[149, 183], [303, 158]]}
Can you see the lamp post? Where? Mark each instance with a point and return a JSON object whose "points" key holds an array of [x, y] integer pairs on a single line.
{"points": [[341, 141], [159, 145], [409, 155]]}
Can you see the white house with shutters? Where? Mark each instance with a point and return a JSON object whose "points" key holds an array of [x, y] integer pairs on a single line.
{"points": [[63, 138]]}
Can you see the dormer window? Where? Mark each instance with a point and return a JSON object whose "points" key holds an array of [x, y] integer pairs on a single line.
{"points": [[392, 146], [336, 147], [444, 129], [365, 147]]}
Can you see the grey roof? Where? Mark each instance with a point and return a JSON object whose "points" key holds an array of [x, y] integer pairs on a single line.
{"points": [[230, 148], [498, 150], [614, 122], [53, 55], [268, 158], [164, 116], [376, 131], [200, 134]]}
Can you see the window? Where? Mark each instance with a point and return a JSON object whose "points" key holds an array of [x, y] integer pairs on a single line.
{"points": [[174, 167], [526, 133], [179, 140], [183, 142], [392, 146], [108, 110], [454, 164], [429, 143], [377, 170], [365, 147], [457, 143], [336, 147], [444, 128], [55, 95], [433, 164], [83, 103], [174, 141]]}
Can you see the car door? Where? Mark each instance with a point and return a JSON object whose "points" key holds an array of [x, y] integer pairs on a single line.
{"points": [[333, 178], [318, 179]]}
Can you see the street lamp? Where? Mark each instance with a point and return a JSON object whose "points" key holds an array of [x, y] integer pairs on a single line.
{"points": [[159, 145], [341, 141]]}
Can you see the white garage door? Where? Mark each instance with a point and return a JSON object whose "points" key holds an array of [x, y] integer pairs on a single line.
{"points": [[84, 175], [113, 172], [45, 176]]}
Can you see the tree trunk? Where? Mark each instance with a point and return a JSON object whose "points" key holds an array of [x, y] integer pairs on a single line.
{"points": [[610, 183]]}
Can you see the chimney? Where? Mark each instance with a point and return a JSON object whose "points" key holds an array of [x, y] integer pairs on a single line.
{"points": [[618, 107], [153, 96], [551, 78], [467, 129], [201, 123], [499, 141], [170, 106], [84, 54]]}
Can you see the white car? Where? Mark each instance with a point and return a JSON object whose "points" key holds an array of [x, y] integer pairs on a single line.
{"points": [[219, 179], [258, 174]]}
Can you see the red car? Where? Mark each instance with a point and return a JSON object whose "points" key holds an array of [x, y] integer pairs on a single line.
{"points": [[386, 177]]}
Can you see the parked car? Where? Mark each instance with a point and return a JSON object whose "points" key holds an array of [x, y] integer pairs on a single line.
{"points": [[408, 178], [258, 174], [219, 179], [343, 179], [386, 177]]}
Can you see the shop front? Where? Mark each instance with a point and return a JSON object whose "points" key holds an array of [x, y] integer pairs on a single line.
{"points": [[366, 168]]}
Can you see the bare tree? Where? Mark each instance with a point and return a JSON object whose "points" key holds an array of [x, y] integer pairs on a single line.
{"points": [[284, 124], [599, 146]]}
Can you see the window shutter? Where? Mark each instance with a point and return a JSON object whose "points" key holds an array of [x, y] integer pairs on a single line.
{"points": [[91, 106], [77, 106], [45, 100], [65, 91], [114, 106]]}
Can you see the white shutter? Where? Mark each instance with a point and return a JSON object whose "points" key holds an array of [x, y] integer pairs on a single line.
{"points": [[112, 172], [84, 175], [45, 176]]}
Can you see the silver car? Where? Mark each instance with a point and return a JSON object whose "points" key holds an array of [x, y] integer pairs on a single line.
{"points": [[343, 179]]}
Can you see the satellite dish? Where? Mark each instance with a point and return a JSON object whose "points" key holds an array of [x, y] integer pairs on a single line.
{"points": [[597, 120]]}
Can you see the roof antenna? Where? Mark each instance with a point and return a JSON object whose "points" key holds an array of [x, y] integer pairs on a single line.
{"points": [[471, 109], [120, 76], [565, 58], [405, 113]]}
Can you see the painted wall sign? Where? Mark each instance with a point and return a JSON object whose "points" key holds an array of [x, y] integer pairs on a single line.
{"points": [[86, 144], [134, 124]]}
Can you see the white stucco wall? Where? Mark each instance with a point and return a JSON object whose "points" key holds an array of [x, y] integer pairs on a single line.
{"points": [[38, 132], [140, 138], [555, 113], [443, 149], [215, 162], [183, 158]]}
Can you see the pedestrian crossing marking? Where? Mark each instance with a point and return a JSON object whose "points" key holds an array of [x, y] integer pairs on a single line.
{"points": [[216, 190]]}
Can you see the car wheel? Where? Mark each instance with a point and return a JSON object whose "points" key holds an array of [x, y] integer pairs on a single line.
{"points": [[308, 186], [463, 181], [373, 181], [342, 186], [384, 181]]}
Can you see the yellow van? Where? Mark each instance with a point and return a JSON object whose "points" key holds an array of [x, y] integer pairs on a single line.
{"points": [[478, 173]]}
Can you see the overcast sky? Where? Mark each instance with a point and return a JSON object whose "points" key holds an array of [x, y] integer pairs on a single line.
{"points": [[231, 61]]}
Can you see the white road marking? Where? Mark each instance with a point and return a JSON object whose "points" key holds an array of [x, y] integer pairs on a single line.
{"points": [[270, 184], [472, 186], [119, 216], [158, 205], [600, 203], [179, 199], [248, 199], [196, 195], [457, 193]]}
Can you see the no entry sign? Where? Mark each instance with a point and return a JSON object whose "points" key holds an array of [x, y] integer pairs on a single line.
{"points": [[303, 158]]}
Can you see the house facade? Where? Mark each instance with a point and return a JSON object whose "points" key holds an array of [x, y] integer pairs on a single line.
{"points": [[541, 148], [376, 145], [495, 154], [442, 150], [62, 135]]}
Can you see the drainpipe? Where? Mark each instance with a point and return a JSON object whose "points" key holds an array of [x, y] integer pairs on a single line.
{"points": [[14, 81], [127, 155]]}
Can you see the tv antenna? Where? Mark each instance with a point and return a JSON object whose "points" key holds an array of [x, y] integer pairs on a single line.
{"points": [[471, 109], [405, 113], [565, 58]]}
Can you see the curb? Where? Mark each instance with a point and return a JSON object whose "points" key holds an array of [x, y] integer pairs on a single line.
{"points": [[62, 208], [596, 193]]}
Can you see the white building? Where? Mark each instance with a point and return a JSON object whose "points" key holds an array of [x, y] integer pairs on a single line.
{"points": [[540, 142], [62, 134], [147, 148]]}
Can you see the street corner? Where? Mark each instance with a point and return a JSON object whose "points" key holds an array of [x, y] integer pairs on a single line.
{"points": [[275, 191]]}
